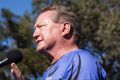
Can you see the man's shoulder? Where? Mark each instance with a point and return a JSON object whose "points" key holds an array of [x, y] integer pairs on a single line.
{"points": [[77, 57], [85, 57], [80, 53], [77, 54]]}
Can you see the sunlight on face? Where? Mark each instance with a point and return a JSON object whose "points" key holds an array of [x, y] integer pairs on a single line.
{"points": [[46, 31]]}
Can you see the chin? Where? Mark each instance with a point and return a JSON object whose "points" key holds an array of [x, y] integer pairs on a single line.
{"points": [[40, 50]]}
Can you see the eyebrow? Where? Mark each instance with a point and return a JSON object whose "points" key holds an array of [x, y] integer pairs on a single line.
{"points": [[39, 25]]}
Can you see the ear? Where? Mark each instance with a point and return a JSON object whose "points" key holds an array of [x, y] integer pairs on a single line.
{"points": [[65, 28]]}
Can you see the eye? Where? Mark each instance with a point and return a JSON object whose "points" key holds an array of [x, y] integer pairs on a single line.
{"points": [[38, 26], [41, 26]]}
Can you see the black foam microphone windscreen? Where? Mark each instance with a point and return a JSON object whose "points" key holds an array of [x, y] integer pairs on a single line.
{"points": [[12, 56]]}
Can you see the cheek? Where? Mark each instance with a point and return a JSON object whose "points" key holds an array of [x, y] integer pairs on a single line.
{"points": [[50, 32], [54, 31], [50, 36]]}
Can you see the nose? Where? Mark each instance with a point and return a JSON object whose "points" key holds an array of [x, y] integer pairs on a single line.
{"points": [[35, 34]]}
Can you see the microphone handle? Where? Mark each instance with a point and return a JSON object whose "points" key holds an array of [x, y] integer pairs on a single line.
{"points": [[3, 62]]}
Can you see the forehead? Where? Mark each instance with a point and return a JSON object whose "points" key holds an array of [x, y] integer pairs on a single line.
{"points": [[47, 15]]}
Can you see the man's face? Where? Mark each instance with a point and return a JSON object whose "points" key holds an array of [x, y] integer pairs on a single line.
{"points": [[46, 31]]}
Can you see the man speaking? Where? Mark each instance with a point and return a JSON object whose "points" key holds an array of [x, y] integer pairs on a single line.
{"points": [[56, 35]]}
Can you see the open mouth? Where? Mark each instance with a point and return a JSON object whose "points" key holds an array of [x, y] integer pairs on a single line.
{"points": [[38, 41]]}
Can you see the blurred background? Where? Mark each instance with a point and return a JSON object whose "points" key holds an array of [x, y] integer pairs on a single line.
{"points": [[99, 20]]}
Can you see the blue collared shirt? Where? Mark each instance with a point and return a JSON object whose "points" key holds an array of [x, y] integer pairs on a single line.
{"points": [[75, 65]]}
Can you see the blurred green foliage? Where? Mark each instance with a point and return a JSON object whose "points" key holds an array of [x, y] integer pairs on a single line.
{"points": [[100, 23]]}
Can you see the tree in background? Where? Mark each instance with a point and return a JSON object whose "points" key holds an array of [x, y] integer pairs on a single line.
{"points": [[100, 22], [16, 33]]}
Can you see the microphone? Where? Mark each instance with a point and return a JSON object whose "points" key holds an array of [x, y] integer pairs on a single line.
{"points": [[12, 56]]}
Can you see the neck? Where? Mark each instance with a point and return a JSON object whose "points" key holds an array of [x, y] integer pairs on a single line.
{"points": [[61, 50]]}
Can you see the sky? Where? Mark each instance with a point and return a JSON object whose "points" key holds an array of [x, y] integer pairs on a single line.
{"points": [[16, 6]]}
